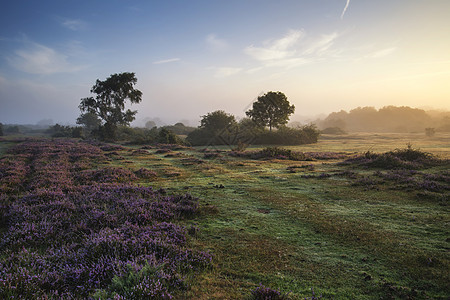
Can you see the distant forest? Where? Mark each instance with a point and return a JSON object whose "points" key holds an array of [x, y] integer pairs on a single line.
{"points": [[386, 119]]}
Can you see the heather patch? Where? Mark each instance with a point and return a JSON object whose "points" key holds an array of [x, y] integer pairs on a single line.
{"points": [[408, 158], [79, 232]]}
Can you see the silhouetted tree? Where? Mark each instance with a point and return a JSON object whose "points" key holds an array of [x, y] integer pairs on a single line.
{"points": [[109, 102], [216, 128], [217, 121], [1, 129], [271, 109]]}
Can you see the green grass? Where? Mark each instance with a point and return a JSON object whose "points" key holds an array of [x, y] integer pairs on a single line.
{"points": [[265, 224]]}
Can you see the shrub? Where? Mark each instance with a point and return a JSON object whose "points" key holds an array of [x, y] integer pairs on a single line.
{"points": [[408, 158], [333, 130], [265, 293]]}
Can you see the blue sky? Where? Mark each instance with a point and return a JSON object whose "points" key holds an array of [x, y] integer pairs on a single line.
{"points": [[194, 57]]}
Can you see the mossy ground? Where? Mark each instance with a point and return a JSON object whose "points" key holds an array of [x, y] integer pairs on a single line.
{"points": [[293, 231]]}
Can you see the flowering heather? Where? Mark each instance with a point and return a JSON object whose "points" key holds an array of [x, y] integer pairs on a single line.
{"points": [[70, 231], [281, 153], [408, 158], [144, 173], [412, 179], [265, 293]]}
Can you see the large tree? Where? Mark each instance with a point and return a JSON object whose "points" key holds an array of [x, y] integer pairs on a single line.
{"points": [[109, 102], [271, 109]]}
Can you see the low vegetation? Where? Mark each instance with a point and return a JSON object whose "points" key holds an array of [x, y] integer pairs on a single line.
{"points": [[102, 220], [73, 229]]}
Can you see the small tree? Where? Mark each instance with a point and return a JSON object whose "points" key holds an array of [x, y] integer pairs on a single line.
{"points": [[217, 121], [215, 128], [1, 129], [109, 103], [271, 109]]}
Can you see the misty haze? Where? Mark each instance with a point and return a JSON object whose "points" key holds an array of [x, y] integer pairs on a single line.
{"points": [[225, 149]]}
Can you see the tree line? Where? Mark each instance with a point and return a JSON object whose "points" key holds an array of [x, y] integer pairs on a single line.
{"points": [[104, 117], [385, 119]]}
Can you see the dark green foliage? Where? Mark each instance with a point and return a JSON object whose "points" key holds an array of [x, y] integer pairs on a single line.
{"points": [[65, 131], [272, 110], [216, 128], [90, 122], [179, 128], [12, 129], [307, 134], [1, 129], [219, 128], [333, 130], [217, 121], [109, 103], [166, 136], [280, 153], [137, 136]]}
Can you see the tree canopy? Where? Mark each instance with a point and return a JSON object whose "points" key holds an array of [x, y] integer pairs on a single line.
{"points": [[217, 120], [271, 109], [109, 102]]}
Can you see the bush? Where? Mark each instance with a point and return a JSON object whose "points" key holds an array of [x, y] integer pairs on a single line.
{"points": [[408, 158], [234, 134], [265, 293], [166, 136], [137, 136], [333, 130]]}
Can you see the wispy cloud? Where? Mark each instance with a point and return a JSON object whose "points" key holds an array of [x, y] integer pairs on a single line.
{"points": [[74, 24], [345, 9], [35, 58], [292, 50], [216, 43], [276, 49], [382, 52], [320, 45], [165, 61]]}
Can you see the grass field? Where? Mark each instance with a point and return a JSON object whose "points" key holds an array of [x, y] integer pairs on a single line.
{"points": [[347, 231]]}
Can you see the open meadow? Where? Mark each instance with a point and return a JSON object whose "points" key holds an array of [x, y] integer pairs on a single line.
{"points": [[361, 216]]}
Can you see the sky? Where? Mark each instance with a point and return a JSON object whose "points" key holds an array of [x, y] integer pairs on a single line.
{"points": [[197, 56]]}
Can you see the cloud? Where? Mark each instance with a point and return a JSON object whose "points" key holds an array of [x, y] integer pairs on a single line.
{"points": [[39, 59], [216, 43], [165, 61], [345, 9], [277, 49], [381, 53], [292, 50], [74, 24], [320, 45]]}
